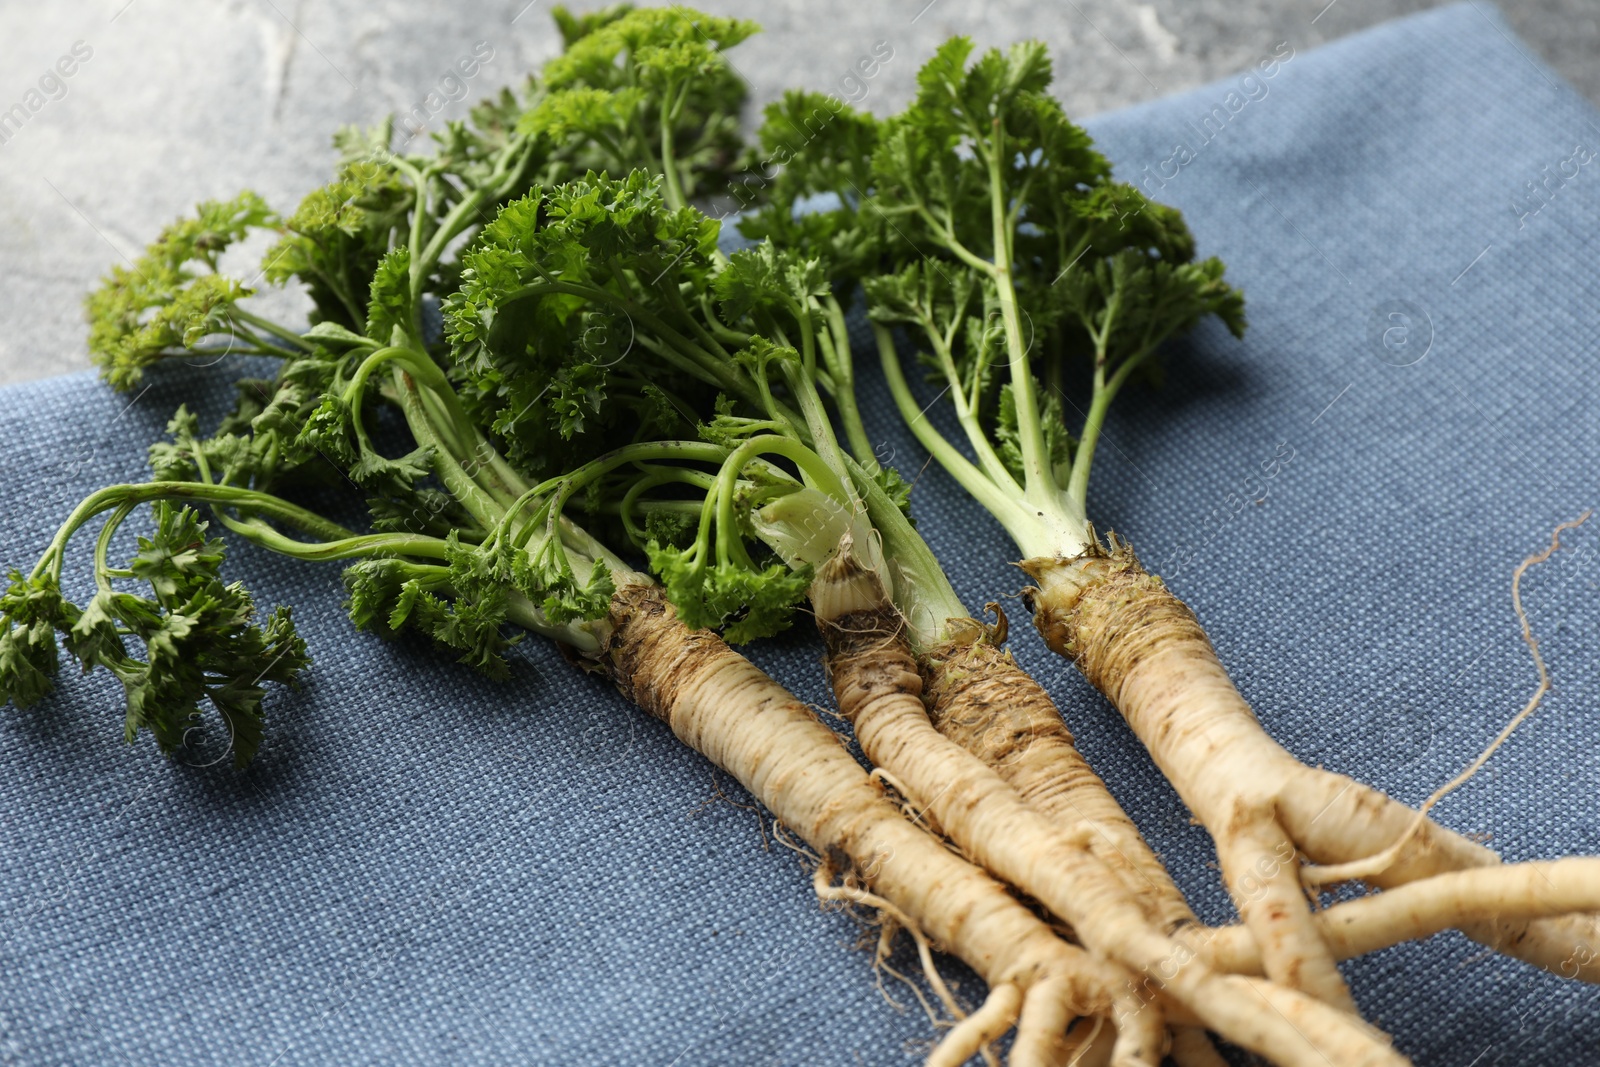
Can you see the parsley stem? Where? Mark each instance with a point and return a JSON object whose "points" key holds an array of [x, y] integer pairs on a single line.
{"points": [[1037, 478], [356, 547], [451, 469], [102, 544], [280, 332], [1008, 510], [1083, 455], [922, 592], [669, 163], [252, 500], [966, 413], [841, 363]]}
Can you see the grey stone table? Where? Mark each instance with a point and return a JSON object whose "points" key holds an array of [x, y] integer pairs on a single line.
{"points": [[169, 101]]}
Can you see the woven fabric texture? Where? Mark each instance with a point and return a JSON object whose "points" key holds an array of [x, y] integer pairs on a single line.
{"points": [[424, 866]]}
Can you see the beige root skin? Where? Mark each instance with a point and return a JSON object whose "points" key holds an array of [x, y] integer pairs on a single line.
{"points": [[1513, 892], [978, 697], [1342, 820], [878, 689], [1041, 1028], [1143, 648], [726, 708], [989, 1023], [1088, 1043]]}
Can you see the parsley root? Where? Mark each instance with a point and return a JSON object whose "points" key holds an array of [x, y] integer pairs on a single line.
{"points": [[877, 686], [721, 705], [978, 697]]}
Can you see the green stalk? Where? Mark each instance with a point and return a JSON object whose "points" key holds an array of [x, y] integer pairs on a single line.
{"points": [[561, 489], [450, 468], [660, 476], [419, 216], [360, 546], [262, 348], [966, 412], [669, 163], [102, 545], [452, 224], [1037, 479], [280, 332], [812, 466], [356, 389], [453, 430], [1008, 511], [804, 387], [701, 334], [837, 355], [116, 495], [639, 452], [342, 291], [922, 591], [460, 216], [526, 614], [479, 503], [1083, 455], [722, 330]]}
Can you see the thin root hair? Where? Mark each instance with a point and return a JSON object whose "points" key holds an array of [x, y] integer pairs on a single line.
{"points": [[1379, 862]]}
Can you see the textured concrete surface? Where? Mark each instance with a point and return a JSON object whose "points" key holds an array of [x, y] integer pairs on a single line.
{"points": [[173, 101]]}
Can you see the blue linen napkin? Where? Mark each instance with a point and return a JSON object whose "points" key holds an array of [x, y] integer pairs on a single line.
{"points": [[426, 867]]}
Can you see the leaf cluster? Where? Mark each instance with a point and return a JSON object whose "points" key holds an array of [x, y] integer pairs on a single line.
{"points": [[546, 327], [342, 230], [464, 605], [628, 76], [744, 601], [822, 149], [172, 296], [546, 306], [202, 640], [1102, 275]]}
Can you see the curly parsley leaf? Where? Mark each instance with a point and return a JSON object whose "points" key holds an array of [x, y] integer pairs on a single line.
{"points": [[171, 298], [202, 640], [741, 602]]}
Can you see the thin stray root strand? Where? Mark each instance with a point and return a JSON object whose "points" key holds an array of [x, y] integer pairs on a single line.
{"points": [[1084, 1044], [822, 882], [1378, 863], [918, 818]]}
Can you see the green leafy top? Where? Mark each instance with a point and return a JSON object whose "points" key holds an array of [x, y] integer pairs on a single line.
{"points": [[172, 297], [649, 88], [461, 544], [822, 148], [339, 233], [990, 228], [594, 315], [458, 564], [603, 358], [551, 327], [202, 642], [743, 351], [574, 27], [337, 242]]}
